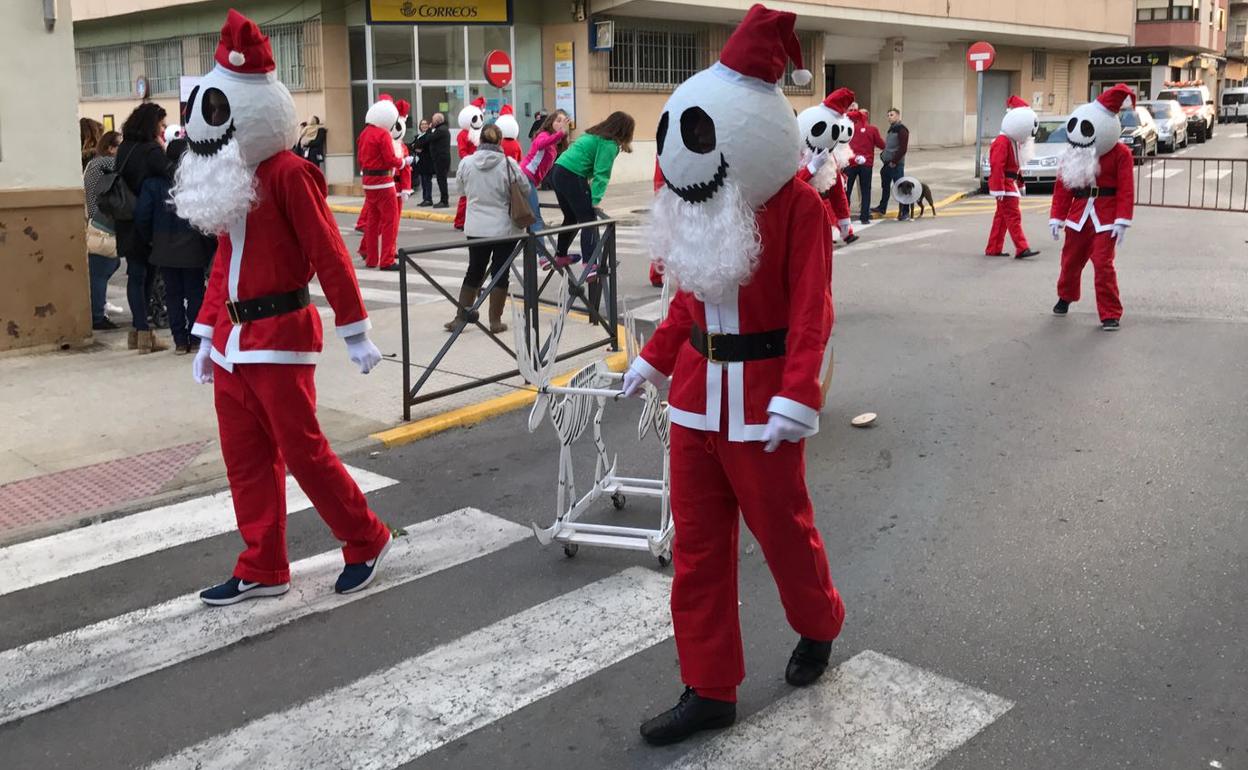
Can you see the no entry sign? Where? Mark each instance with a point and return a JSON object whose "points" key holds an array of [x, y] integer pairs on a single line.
{"points": [[498, 71], [980, 56]]}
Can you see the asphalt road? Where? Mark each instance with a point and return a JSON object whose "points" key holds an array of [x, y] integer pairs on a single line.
{"points": [[1047, 516]]}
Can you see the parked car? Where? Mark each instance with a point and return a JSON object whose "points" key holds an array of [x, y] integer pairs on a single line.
{"points": [[1234, 105], [1171, 123], [1041, 167], [1139, 132], [1197, 105]]}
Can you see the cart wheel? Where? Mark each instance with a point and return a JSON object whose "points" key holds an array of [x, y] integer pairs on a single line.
{"points": [[619, 501], [570, 549], [665, 559]]}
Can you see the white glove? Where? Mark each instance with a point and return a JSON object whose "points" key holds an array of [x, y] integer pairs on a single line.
{"points": [[860, 159], [1055, 228], [816, 162], [633, 381], [1120, 234], [780, 428], [843, 225], [409, 160], [406, 194], [363, 352], [201, 367]]}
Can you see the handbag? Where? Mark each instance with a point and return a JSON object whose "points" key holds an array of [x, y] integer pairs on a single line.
{"points": [[518, 207], [100, 241], [116, 199]]}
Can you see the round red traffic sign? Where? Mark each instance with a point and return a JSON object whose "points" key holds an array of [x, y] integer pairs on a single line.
{"points": [[498, 72], [980, 56]]}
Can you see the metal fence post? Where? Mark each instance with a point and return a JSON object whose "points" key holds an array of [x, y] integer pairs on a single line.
{"points": [[532, 319], [613, 308], [407, 353]]}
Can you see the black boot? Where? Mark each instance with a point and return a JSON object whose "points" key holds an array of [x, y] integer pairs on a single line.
{"points": [[808, 662], [692, 714], [1061, 307]]}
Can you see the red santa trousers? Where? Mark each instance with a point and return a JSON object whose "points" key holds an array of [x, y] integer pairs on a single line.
{"points": [[266, 414], [713, 479], [1080, 246], [1009, 218], [381, 227], [461, 211]]}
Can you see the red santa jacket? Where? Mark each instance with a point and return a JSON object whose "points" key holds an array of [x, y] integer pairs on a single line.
{"points": [[1117, 173], [791, 289], [404, 178], [465, 144], [375, 149], [512, 149], [834, 199], [1004, 171], [288, 238]]}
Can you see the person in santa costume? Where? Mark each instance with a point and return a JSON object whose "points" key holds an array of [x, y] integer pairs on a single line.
{"points": [[1010, 150], [403, 180], [1093, 201], [471, 121], [743, 343], [826, 133], [260, 336], [511, 130], [379, 163]]}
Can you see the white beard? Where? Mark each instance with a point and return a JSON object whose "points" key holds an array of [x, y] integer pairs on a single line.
{"points": [[825, 177], [842, 155], [216, 191], [1078, 167], [1026, 151], [708, 248]]}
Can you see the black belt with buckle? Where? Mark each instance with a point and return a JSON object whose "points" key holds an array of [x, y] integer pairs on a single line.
{"points": [[1014, 175], [267, 306], [377, 171], [1094, 192], [727, 348]]}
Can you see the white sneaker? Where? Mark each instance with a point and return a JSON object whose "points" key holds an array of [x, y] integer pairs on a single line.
{"points": [[111, 308]]}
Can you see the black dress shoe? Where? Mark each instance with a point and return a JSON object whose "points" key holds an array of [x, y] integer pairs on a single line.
{"points": [[808, 662], [691, 714], [425, 203], [851, 239], [1061, 307], [1026, 253], [103, 326], [442, 205], [998, 254]]}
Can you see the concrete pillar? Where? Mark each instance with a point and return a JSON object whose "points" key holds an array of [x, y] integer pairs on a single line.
{"points": [[335, 74], [887, 88]]}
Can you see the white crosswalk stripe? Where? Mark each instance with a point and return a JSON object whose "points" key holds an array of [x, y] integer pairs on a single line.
{"points": [[446, 693], [49, 672], [84, 549]]}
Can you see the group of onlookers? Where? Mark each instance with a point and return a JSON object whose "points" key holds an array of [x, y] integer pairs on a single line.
{"points": [[892, 146], [160, 249]]}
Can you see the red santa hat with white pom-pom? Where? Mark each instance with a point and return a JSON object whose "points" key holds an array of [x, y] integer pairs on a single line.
{"points": [[839, 100], [1015, 101], [1116, 98], [763, 45], [244, 49]]}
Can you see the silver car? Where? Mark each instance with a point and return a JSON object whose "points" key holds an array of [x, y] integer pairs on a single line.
{"points": [[1050, 143], [1171, 123]]}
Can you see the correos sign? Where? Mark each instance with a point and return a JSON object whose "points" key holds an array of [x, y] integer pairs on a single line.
{"points": [[439, 11]]}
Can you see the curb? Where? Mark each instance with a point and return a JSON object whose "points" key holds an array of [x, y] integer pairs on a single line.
{"points": [[429, 216], [473, 414]]}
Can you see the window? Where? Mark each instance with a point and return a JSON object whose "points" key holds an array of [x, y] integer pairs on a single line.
{"points": [[162, 64], [1168, 10], [296, 53], [652, 59], [104, 71], [1039, 65], [393, 48]]}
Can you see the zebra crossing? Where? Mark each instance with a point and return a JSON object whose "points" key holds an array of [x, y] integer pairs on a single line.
{"points": [[588, 623]]}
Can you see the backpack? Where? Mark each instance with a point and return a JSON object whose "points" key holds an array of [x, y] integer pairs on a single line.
{"points": [[116, 199]]}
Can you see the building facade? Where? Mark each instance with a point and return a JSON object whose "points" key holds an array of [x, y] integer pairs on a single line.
{"points": [[592, 57], [1236, 74], [1175, 40]]}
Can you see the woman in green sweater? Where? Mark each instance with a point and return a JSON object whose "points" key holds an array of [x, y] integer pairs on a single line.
{"points": [[580, 178]]}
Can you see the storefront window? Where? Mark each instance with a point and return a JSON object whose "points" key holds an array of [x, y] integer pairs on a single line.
{"points": [[441, 53], [392, 53], [482, 40], [358, 53]]}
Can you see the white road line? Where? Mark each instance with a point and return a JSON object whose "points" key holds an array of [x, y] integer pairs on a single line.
{"points": [[1152, 173], [894, 240], [80, 550], [871, 712], [49, 672], [395, 715], [369, 294]]}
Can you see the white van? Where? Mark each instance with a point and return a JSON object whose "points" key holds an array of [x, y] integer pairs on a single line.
{"points": [[1234, 107]]}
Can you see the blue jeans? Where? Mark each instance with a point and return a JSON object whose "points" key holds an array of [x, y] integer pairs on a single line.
{"points": [[138, 289], [862, 174], [184, 294], [100, 269], [426, 188], [536, 204], [888, 175]]}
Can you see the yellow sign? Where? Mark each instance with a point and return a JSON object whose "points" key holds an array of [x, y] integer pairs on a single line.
{"points": [[439, 11]]}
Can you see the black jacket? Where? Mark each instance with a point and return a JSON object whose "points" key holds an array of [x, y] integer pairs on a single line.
{"points": [[173, 241], [422, 148], [440, 144], [148, 160]]}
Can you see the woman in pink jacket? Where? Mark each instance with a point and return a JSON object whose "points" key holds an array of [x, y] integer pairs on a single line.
{"points": [[551, 139]]}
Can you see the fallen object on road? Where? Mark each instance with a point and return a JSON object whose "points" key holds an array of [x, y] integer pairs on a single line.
{"points": [[864, 420]]}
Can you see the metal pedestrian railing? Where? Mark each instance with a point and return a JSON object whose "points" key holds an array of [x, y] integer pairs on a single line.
{"points": [[586, 293], [1211, 184]]}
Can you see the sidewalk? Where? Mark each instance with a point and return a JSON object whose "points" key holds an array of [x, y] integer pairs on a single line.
{"points": [[95, 431]]}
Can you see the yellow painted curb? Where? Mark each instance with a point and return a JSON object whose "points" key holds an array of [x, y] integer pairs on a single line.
{"points": [[476, 413], [429, 216], [940, 204]]}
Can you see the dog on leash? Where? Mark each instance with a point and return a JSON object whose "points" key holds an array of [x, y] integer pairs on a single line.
{"points": [[906, 188]]}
